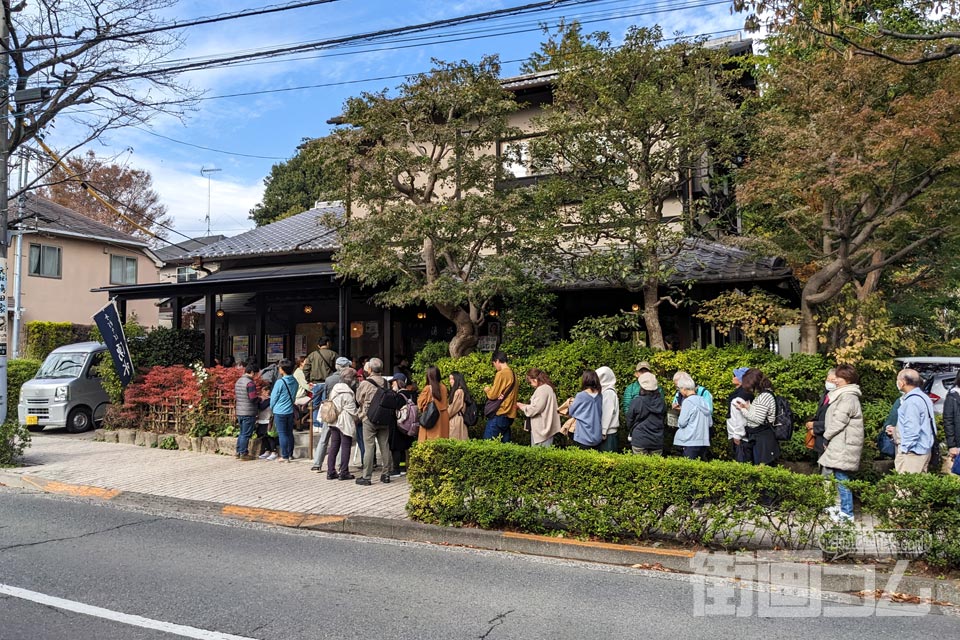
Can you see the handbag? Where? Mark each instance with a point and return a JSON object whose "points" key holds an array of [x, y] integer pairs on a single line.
{"points": [[428, 419], [492, 406], [885, 444], [810, 441]]}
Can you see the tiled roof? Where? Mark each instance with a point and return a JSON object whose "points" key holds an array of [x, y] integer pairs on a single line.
{"points": [[700, 261], [301, 233], [181, 249], [49, 217]]}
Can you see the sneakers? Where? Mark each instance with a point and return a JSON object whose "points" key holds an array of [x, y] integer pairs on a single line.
{"points": [[347, 476], [315, 468], [264, 455], [364, 482], [385, 478], [273, 456], [333, 476], [839, 517]]}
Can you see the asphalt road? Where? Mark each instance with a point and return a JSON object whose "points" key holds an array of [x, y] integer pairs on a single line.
{"points": [[215, 578]]}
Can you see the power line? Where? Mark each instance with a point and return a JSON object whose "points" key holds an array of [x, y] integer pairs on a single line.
{"points": [[197, 146], [247, 13]]}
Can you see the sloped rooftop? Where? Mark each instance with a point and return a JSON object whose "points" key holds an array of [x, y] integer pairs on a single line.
{"points": [[300, 233], [181, 250], [48, 217]]}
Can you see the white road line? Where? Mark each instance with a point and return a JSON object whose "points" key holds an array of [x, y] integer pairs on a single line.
{"points": [[116, 616]]}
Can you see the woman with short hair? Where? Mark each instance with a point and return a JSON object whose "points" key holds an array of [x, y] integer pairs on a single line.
{"points": [[760, 415], [587, 408], [693, 423]]}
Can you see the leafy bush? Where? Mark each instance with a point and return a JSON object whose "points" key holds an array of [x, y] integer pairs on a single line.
{"points": [[613, 496], [170, 443], [44, 337], [924, 506], [431, 352], [19, 370], [14, 440]]}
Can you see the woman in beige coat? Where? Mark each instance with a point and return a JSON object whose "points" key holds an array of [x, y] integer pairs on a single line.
{"points": [[459, 399], [434, 391], [542, 410], [843, 433]]}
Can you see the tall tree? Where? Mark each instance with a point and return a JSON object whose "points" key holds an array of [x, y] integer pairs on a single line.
{"points": [[627, 129], [902, 31], [129, 190], [425, 221], [855, 168], [99, 62], [295, 185]]}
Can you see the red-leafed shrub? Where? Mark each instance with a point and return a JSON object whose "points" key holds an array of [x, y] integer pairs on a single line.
{"points": [[163, 386], [222, 380]]}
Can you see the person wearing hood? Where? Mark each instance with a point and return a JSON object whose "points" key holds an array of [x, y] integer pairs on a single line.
{"points": [[587, 408], [645, 418], [843, 433], [694, 422], [610, 410], [320, 393], [736, 422], [344, 430]]}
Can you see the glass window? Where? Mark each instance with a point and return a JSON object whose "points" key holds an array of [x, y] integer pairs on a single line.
{"points": [[45, 261], [186, 274], [123, 270]]}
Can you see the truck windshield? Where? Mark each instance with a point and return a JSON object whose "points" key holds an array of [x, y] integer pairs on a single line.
{"points": [[62, 365]]}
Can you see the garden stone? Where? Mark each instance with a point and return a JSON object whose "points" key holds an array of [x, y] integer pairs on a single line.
{"points": [[127, 436], [141, 439], [227, 446], [208, 445], [184, 443], [150, 439], [195, 444], [110, 436], [98, 435]]}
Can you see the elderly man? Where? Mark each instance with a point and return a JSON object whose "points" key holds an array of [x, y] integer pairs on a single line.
{"points": [[376, 431], [916, 429]]}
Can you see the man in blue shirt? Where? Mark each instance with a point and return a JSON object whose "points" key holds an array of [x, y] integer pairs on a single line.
{"points": [[916, 428]]}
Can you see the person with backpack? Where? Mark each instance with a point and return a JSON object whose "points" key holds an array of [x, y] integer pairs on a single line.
{"points": [[460, 399], [760, 414], [541, 412], [646, 417], [843, 434], [378, 412], [741, 445], [323, 391], [404, 434], [344, 428], [694, 421], [320, 363], [281, 402], [916, 431]]}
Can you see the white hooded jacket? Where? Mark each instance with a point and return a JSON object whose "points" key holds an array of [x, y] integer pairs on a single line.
{"points": [[610, 417]]}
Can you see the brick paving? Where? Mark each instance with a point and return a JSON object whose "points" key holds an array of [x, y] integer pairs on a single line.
{"points": [[213, 478]]}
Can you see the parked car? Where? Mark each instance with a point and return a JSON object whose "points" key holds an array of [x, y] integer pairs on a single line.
{"points": [[66, 391], [938, 375]]}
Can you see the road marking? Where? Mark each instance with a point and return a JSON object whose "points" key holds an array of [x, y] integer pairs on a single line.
{"points": [[116, 616]]}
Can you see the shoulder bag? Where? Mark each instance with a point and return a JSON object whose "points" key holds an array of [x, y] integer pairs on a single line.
{"points": [[492, 406]]}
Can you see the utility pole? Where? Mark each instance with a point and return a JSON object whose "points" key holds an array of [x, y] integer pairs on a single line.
{"points": [[4, 161], [206, 172]]}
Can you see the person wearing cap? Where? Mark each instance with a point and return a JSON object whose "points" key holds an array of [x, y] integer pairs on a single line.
{"points": [[633, 389], [320, 393], [321, 363], [736, 421], [645, 417]]}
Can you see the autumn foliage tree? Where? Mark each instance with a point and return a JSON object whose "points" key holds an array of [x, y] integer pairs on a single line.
{"points": [[129, 190], [854, 168]]}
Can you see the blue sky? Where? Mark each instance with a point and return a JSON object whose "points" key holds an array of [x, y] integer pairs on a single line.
{"points": [[272, 124]]}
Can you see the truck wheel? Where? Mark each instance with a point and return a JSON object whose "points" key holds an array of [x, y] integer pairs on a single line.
{"points": [[79, 420]]}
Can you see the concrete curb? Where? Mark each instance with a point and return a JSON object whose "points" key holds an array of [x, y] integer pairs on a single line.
{"points": [[768, 569]]}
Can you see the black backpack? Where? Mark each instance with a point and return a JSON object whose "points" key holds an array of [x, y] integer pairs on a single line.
{"points": [[384, 404], [470, 413], [783, 419], [269, 375]]}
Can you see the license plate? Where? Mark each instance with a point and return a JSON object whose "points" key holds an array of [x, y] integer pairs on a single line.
{"points": [[32, 420]]}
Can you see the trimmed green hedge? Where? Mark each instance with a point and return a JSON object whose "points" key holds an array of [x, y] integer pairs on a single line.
{"points": [[799, 379], [18, 371], [613, 496], [925, 506], [44, 337]]}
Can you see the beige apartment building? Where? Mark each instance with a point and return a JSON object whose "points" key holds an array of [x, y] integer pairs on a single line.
{"points": [[59, 257]]}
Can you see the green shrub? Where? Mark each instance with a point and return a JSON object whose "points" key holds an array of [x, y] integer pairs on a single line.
{"points": [[14, 440], [613, 496], [44, 337], [430, 354], [170, 442], [19, 370], [924, 506]]}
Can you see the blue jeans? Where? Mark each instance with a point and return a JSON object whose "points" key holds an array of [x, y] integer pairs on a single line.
{"points": [[283, 423], [846, 495], [497, 426], [247, 425]]}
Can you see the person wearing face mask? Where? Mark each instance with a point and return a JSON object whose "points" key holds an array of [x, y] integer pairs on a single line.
{"points": [[843, 434], [915, 430], [817, 424]]}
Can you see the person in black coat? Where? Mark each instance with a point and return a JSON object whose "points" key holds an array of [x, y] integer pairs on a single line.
{"points": [[818, 422], [951, 418], [741, 445], [645, 418]]}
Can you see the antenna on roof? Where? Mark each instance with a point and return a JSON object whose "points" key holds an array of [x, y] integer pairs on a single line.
{"points": [[204, 171]]}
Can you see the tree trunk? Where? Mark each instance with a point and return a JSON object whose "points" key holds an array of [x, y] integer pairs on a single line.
{"points": [[808, 327], [651, 315], [465, 340]]}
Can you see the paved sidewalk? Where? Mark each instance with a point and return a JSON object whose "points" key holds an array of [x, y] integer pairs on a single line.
{"points": [[185, 475]]}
